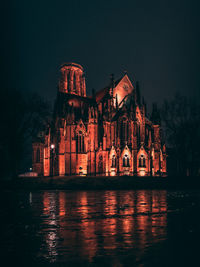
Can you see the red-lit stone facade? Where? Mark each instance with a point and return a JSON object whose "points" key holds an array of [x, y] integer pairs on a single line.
{"points": [[108, 133]]}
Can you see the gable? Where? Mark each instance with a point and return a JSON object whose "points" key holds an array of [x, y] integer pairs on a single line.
{"points": [[122, 89], [126, 151], [142, 151], [81, 127]]}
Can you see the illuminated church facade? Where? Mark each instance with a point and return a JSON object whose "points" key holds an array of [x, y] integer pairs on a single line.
{"points": [[108, 133]]}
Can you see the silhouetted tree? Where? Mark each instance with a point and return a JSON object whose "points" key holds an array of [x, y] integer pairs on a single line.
{"points": [[22, 117], [181, 119]]}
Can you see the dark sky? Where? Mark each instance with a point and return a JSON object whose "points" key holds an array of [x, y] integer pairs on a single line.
{"points": [[156, 42]]}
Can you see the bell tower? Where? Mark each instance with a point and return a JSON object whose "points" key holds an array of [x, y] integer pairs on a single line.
{"points": [[72, 79]]}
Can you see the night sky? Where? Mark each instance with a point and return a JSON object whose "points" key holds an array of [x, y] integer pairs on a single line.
{"points": [[156, 42]]}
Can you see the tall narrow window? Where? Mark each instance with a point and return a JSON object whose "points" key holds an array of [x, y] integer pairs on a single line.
{"points": [[126, 162], [80, 147], [38, 155], [142, 162], [83, 145], [113, 161]]}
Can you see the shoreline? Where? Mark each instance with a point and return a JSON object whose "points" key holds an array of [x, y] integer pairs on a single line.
{"points": [[102, 183]]}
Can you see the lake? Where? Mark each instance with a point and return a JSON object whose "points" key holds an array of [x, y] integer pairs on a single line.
{"points": [[100, 228]]}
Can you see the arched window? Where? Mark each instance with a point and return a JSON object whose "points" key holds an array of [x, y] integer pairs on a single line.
{"points": [[38, 155], [113, 162], [80, 146], [142, 162], [126, 162]]}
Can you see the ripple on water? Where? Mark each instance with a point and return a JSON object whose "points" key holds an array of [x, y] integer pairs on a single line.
{"points": [[66, 225]]}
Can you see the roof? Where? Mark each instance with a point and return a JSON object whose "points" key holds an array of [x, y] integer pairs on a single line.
{"points": [[67, 96], [103, 92], [79, 103], [100, 94]]}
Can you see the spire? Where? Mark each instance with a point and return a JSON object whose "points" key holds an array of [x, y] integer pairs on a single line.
{"points": [[138, 97], [117, 106], [96, 113], [150, 140], [164, 148]]}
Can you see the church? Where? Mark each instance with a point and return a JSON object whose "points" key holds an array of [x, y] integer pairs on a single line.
{"points": [[106, 134]]}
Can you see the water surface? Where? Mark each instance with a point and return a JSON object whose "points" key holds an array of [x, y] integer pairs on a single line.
{"points": [[100, 228]]}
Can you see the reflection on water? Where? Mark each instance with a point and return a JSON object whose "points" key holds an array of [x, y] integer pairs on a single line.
{"points": [[111, 228], [90, 224]]}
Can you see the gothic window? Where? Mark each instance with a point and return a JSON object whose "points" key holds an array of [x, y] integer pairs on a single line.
{"points": [[128, 165], [126, 162], [80, 147], [38, 155], [142, 162], [113, 162]]}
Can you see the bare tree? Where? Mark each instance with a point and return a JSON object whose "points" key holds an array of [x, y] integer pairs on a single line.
{"points": [[181, 119], [22, 117]]}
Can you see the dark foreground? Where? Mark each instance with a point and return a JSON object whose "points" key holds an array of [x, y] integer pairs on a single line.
{"points": [[100, 228], [102, 183]]}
